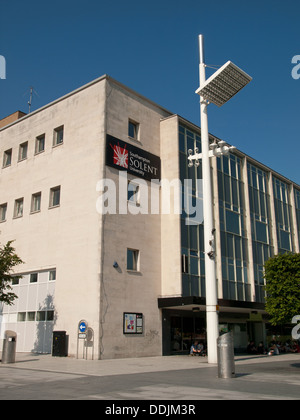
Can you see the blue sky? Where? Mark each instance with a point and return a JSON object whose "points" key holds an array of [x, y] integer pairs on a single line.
{"points": [[152, 47]]}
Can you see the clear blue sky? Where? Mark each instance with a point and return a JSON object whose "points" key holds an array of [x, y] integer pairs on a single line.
{"points": [[152, 47]]}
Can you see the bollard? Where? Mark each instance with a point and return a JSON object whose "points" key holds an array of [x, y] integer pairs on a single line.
{"points": [[9, 347], [226, 367]]}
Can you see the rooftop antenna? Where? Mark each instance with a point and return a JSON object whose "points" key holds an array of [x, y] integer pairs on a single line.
{"points": [[32, 92]]}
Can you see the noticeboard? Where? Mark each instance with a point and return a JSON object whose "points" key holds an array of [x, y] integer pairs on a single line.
{"points": [[133, 323]]}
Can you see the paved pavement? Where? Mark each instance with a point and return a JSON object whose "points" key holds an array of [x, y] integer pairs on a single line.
{"points": [[170, 378]]}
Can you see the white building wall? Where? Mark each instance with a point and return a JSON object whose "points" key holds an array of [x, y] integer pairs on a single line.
{"points": [[68, 236]]}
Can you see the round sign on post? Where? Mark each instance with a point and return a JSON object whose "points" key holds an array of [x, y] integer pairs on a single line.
{"points": [[82, 329]]}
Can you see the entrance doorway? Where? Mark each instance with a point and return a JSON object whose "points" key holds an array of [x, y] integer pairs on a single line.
{"points": [[181, 330]]}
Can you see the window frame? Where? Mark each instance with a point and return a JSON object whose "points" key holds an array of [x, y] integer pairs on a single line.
{"points": [[133, 129], [135, 266], [57, 139], [17, 207], [33, 201], [23, 151], [3, 212], [7, 158], [41, 139], [52, 196]]}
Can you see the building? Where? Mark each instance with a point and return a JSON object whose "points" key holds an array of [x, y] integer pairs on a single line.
{"points": [[93, 192]]}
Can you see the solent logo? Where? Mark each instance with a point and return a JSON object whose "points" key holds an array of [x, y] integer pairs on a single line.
{"points": [[2, 67], [120, 155]]}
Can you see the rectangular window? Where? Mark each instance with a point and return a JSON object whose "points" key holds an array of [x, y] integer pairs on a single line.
{"points": [[133, 195], [54, 197], [52, 275], [58, 137], [33, 277], [23, 149], [21, 316], [132, 259], [41, 316], [36, 202], [133, 130], [18, 210], [15, 281], [3, 211], [39, 144], [50, 316], [30, 316], [7, 157]]}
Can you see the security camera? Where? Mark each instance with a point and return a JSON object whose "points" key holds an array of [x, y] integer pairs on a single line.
{"points": [[115, 264]]}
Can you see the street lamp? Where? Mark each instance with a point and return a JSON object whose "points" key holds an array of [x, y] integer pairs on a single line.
{"points": [[217, 89]]}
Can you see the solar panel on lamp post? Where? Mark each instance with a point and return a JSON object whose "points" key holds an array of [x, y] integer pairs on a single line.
{"points": [[218, 89]]}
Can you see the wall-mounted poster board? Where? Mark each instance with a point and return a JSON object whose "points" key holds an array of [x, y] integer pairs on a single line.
{"points": [[132, 323]]}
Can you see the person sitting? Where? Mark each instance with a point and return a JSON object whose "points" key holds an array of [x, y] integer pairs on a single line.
{"points": [[261, 348], [273, 350], [196, 349], [251, 349]]}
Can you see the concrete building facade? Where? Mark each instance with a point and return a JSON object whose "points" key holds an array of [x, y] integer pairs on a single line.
{"points": [[82, 193]]}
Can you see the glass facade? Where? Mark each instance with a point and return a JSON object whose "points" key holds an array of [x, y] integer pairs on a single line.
{"points": [[192, 234], [297, 205], [283, 216], [234, 247], [233, 259], [260, 216]]}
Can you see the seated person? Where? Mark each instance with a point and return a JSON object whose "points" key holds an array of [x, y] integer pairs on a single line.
{"points": [[251, 349], [196, 348]]}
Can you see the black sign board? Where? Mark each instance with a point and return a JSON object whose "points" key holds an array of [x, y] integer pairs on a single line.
{"points": [[133, 323], [125, 157]]}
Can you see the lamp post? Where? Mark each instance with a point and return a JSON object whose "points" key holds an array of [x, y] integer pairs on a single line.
{"points": [[218, 89]]}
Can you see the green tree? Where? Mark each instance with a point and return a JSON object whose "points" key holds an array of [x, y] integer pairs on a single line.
{"points": [[282, 274], [8, 260]]}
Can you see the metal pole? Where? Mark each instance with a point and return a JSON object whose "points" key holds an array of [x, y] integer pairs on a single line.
{"points": [[212, 321]]}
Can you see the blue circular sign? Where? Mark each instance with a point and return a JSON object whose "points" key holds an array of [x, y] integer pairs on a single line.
{"points": [[82, 326]]}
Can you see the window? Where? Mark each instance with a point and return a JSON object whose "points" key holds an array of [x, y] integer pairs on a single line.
{"points": [[54, 197], [184, 264], [18, 210], [39, 144], [36, 202], [132, 259], [33, 277], [52, 275], [23, 149], [7, 158], [3, 211], [133, 193], [15, 281], [133, 129], [50, 316], [21, 316], [41, 316], [58, 137], [30, 316]]}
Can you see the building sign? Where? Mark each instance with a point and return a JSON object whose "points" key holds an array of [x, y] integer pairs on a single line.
{"points": [[132, 323], [135, 161]]}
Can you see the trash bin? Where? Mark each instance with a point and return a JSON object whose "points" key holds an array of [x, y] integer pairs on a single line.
{"points": [[9, 347], [226, 367]]}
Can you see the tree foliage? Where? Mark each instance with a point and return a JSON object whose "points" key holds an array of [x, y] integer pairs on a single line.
{"points": [[8, 260], [282, 274]]}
